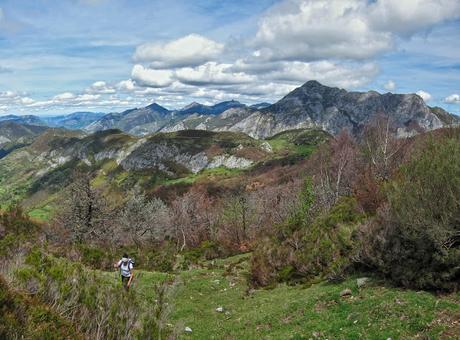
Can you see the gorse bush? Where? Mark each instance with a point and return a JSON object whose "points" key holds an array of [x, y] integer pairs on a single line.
{"points": [[309, 245], [415, 239], [98, 308], [23, 317]]}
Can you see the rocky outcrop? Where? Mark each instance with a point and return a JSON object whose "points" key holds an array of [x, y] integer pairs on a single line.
{"points": [[166, 156]]}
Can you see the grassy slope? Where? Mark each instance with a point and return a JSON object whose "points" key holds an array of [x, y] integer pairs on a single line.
{"points": [[374, 312]]}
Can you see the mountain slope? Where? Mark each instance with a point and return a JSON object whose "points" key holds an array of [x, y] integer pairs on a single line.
{"points": [[333, 109], [138, 121], [38, 171], [14, 135]]}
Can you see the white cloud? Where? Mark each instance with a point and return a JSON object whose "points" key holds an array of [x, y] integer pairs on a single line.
{"points": [[453, 99], [409, 16], [126, 85], [306, 30], [64, 96], [425, 95], [26, 100], [390, 85], [153, 78], [100, 87], [212, 73], [191, 50]]}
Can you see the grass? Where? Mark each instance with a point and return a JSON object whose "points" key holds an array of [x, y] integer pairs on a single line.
{"points": [[298, 312], [205, 175], [300, 142], [42, 214]]}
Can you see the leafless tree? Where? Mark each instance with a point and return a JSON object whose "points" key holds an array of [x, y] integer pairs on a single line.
{"points": [[84, 211], [336, 164], [382, 148], [194, 216], [142, 219]]}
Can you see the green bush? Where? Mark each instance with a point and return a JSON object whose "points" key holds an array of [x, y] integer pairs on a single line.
{"points": [[308, 246], [23, 317], [98, 307], [415, 240]]}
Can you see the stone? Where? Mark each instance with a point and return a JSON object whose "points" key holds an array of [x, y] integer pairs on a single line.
{"points": [[346, 292], [361, 282], [188, 330], [219, 309]]}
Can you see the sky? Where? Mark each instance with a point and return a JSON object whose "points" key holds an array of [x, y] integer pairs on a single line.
{"points": [[62, 56]]}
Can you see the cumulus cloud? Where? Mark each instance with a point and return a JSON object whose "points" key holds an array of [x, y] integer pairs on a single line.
{"points": [[306, 30], [212, 73], [191, 50], [100, 87], [149, 77], [64, 96], [390, 85], [315, 29], [126, 85], [409, 16], [425, 95], [453, 99]]}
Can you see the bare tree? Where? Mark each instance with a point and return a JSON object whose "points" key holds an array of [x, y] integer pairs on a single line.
{"points": [[142, 219], [194, 216], [272, 205], [84, 211], [336, 164], [382, 149]]}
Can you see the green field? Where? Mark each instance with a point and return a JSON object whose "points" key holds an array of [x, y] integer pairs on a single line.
{"points": [[318, 311]]}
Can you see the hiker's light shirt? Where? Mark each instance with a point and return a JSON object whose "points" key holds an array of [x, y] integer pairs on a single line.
{"points": [[125, 268]]}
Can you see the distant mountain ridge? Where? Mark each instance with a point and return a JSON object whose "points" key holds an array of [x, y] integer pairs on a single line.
{"points": [[25, 119], [75, 120], [154, 117]]}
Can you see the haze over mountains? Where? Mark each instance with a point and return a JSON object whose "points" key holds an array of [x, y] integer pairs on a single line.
{"points": [[312, 105]]}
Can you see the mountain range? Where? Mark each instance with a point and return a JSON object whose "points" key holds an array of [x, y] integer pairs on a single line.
{"points": [[76, 120], [311, 105]]}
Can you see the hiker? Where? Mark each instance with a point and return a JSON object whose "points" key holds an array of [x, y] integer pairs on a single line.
{"points": [[126, 266]]}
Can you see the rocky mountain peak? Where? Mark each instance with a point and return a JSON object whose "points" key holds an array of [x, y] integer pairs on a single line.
{"points": [[158, 108]]}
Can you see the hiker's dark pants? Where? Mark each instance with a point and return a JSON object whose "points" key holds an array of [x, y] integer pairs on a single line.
{"points": [[124, 282]]}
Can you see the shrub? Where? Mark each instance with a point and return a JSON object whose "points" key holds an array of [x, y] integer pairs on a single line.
{"points": [[415, 239], [23, 317], [98, 308], [308, 246]]}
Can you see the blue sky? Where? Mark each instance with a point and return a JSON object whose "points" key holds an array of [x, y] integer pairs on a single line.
{"points": [[110, 55]]}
